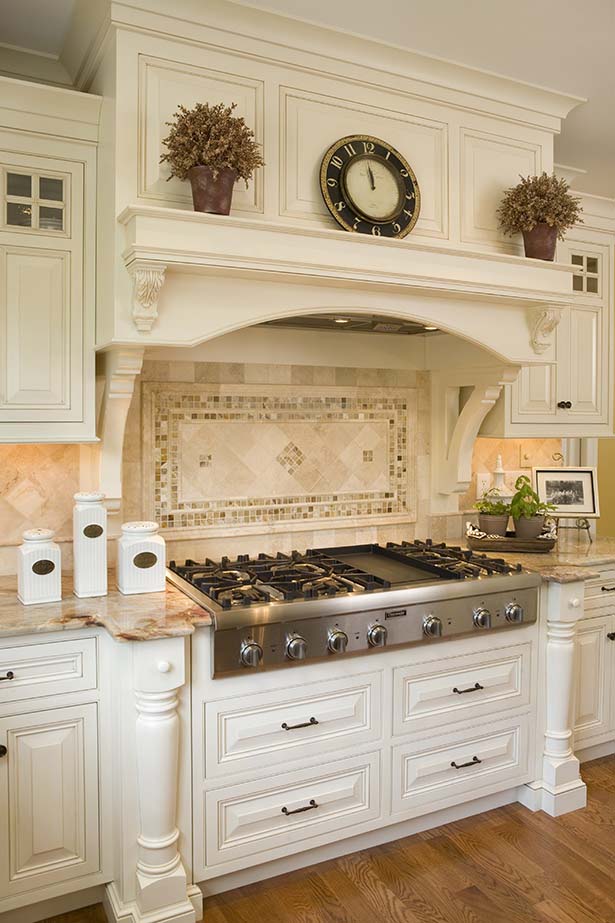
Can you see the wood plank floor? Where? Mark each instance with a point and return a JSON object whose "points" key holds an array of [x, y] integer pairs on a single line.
{"points": [[505, 866]]}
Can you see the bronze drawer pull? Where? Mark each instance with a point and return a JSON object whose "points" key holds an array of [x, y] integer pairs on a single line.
{"points": [[308, 807], [474, 688], [293, 727], [3, 750], [473, 762], [608, 589], [611, 635], [9, 675]]}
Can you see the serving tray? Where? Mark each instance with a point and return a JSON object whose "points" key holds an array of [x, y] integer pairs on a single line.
{"points": [[511, 543]]}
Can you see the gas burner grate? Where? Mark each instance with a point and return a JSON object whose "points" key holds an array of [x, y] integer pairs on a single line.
{"points": [[451, 559], [249, 581]]}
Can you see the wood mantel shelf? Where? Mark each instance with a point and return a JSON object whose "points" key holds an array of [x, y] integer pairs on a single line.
{"points": [[291, 268]]}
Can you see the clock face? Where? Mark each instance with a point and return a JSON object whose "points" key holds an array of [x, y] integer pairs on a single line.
{"points": [[369, 187]]}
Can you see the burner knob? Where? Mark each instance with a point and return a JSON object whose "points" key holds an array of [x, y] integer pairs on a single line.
{"points": [[377, 635], [481, 618], [432, 626], [337, 641], [296, 647], [514, 612], [251, 654]]}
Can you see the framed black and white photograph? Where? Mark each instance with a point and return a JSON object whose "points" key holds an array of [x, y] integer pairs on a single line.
{"points": [[572, 491]]}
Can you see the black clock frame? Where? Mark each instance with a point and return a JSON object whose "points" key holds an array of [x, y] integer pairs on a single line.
{"points": [[334, 165]]}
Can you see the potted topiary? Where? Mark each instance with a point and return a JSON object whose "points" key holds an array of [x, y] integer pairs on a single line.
{"points": [[542, 209], [528, 510], [493, 513], [212, 148]]}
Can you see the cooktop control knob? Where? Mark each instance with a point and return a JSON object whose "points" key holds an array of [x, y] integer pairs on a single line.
{"points": [[432, 626], [377, 635], [481, 617], [337, 641], [251, 654], [514, 612], [296, 647]]}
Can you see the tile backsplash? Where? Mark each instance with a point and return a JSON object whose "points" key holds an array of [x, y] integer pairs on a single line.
{"points": [[229, 450]]}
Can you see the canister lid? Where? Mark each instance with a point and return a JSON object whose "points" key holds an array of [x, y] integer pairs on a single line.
{"points": [[86, 496], [139, 528], [38, 535]]}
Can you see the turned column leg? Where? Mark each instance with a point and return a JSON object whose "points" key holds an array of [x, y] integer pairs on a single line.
{"points": [[162, 889], [562, 788]]}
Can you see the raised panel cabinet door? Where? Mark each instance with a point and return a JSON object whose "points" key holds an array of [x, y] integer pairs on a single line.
{"points": [[41, 290], [49, 796], [593, 680], [534, 394], [587, 382]]}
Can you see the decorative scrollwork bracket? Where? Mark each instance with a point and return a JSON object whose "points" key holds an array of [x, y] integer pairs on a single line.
{"points": [[148, 277], [543, 323]]}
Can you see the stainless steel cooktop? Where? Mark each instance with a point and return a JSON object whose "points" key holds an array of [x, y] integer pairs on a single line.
{"points": [[281, 610]]}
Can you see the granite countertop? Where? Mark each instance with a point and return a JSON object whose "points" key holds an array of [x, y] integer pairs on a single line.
{"points": [[573, 558], [142, 617], [147, 616]]}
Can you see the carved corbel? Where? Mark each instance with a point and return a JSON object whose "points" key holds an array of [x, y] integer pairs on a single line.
{"points": [[543, 323], [148, 277], [118, 369], [460, 402]]}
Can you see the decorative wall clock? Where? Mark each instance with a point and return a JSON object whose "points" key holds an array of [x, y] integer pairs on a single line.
{"points": [[369, 187]]}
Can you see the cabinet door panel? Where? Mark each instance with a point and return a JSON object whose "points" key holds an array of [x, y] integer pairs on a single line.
{"points": [[586, 362], [49, 790], [35, 310], [534, 394], [592, 680]]}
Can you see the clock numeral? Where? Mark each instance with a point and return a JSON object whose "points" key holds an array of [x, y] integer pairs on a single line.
{"points": [[357, 222], [337, 161], [410, 195], [350, 150], [404, 173], [406, 212], [331, 181], [388, 155], [396, 227], [376, 231], [368, 147], [340, 206]]}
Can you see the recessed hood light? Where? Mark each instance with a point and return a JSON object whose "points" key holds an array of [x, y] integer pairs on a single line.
{"points": [[341, 320], [426, 327]]}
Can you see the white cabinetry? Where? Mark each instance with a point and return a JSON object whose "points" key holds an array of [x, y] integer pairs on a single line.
{"points": [[50, 783], [594, 700], [47, 240], [573, 395]]}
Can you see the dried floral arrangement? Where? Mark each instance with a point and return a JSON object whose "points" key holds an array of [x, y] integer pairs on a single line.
{"points": [[210, 136], [536, 200]]}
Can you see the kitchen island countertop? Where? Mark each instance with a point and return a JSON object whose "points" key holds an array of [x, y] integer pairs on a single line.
{"points": [[573, 558], [139, 617]]}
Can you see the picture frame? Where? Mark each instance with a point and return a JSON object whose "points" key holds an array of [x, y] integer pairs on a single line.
{"points": [[572, 490]]}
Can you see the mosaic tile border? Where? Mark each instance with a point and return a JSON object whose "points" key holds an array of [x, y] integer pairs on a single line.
{"points": [[168, 405]]}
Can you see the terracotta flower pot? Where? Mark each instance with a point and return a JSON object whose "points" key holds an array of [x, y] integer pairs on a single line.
{"points": [[540, 242], [493, 524], [209, 194], [529, 528]]}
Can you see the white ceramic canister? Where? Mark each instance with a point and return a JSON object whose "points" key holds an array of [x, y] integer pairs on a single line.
{"points": [[141, 559], [39, 568], [89, 545]]}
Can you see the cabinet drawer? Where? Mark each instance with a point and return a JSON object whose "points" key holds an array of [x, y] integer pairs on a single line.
{"points": [[253, 732], [462, 687], [291, 812], [600, 593], [47, 669], [459, 766]]}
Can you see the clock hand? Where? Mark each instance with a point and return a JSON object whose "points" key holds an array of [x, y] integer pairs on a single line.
{"points": [[371, 177]]}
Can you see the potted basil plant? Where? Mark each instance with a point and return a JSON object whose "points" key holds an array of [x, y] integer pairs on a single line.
{"points": [[212, 148], [493, 513], [542, 210], [528, 510]]}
